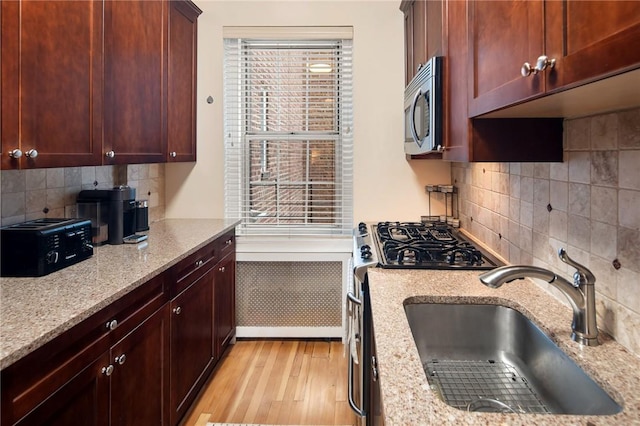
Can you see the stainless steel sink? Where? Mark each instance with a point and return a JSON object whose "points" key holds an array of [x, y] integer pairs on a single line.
{"points": [[493, 358]]}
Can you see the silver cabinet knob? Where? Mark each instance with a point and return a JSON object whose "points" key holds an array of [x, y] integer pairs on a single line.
{"points": [[110, 154], [32, 153], [108, 370], [177, 310], [15, 153], [222, 269], [173, 154], [120, 359], [542, 63], [111, 325], [526, 69], [199, 263], [229, 242], [374, 369]]}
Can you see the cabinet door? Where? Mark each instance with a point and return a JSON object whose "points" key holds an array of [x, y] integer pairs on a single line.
{"points": [[415, 35], [409, 70], [135, 73], [140, 379], [503, 35], [51, 83], [225, 302], [183, 37], [85, 397], [591, 40], [191, 342]]}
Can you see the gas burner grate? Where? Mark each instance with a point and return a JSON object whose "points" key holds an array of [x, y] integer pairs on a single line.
{"points": [[462, 384], [427, 246]]}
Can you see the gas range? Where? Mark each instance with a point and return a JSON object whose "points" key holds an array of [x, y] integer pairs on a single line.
{"points": [[417, 245]]}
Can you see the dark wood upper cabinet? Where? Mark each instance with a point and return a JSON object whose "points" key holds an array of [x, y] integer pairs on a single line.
{"points": [[503, 35], [97, 82], [135, 75], [496, 140], [183, 49], [52, 58], [586, 40], [423, 26], [590, 40]]}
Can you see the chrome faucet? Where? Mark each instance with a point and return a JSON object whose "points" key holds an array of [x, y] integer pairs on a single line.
{"points": [[581, 293]]}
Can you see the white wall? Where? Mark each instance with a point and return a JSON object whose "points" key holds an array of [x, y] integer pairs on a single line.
{"points": [[387, 186]]}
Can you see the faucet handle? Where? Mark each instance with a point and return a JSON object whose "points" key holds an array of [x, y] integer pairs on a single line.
{"points": [[583, 274]]}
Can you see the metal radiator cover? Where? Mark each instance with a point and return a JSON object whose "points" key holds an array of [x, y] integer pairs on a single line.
{"points": [[289, 294]]}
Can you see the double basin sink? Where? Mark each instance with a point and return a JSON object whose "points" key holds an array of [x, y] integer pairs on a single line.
{"points": [[491, 358]]}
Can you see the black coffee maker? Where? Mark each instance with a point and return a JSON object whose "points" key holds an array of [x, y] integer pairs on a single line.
{"points": [[119, 209]]}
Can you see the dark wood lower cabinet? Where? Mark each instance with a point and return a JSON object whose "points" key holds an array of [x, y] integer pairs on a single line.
{"points": [[140, 378], [225, 303], [84, 397], [147, 369], [192, 334]]}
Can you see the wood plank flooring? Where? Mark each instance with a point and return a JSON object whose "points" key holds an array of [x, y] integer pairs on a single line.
{"points": [[279, 382]]}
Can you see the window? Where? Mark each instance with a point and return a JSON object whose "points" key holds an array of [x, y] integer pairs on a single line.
{"points": [[288, 135]]}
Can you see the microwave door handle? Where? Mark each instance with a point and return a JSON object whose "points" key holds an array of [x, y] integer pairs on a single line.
{"points": [[412, 121]]}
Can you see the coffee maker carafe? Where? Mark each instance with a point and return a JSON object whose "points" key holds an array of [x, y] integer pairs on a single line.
{"points": [[119, 207]]}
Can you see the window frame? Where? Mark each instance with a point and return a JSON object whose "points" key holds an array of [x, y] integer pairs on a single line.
{"points": [[342, 158]]}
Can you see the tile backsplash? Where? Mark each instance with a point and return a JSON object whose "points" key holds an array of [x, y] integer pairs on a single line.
{"points": [[589, 204], [36, 193]]}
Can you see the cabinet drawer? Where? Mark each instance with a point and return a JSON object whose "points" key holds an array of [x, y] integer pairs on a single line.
{"points": [[32, 379], [226, 244], [189, 269]]}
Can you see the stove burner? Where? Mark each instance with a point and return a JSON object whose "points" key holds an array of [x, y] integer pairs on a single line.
{"points": [[426, 245]]}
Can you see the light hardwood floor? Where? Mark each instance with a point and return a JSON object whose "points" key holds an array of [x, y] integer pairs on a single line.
{"points": [[277, 382]]}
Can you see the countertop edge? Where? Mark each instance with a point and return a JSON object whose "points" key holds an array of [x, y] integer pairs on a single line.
{"points": [[16, 354]]}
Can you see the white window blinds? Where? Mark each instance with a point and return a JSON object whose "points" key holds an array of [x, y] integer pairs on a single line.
{"points": [[288, 136]]}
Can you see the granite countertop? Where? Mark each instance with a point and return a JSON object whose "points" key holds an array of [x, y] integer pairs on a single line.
{"points": [[406, 396], [33, 311]]}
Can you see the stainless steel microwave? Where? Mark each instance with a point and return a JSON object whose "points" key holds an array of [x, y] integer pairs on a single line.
{"points": [[423, 109]]}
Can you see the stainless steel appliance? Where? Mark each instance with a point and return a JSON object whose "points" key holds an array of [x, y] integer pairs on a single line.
{"points": [[118, 205], [142, 215], [39, 247], [397, 245], [423, 111]]}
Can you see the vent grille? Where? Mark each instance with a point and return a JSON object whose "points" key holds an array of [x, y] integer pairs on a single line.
{"points": [[289, 294]]}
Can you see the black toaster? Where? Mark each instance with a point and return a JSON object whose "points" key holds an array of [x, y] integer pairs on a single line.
{"points": [[39, 247]]}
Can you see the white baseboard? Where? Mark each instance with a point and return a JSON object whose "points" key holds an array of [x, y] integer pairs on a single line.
{"points": [[289, 332]]}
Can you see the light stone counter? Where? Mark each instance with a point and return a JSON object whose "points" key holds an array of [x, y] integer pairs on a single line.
{"points": [[406, 396], [33, 311]]}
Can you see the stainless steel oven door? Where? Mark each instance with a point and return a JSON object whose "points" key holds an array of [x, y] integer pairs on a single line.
{"points": [[356, 377]]}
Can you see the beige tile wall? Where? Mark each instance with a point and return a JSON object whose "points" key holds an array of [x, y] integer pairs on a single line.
{"points": [[37, 193], [589, 204]]}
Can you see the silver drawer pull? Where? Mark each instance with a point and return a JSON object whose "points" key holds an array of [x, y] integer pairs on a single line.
{"points": [[111, 325], [108, 370], [199, 263], [229, 242]]}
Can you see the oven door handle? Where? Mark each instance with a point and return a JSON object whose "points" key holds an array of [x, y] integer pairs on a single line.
{"points": [[354, 299], [359, 411]]}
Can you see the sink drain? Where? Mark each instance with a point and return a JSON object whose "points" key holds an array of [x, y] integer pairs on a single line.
{"points": [[488, 386]]}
